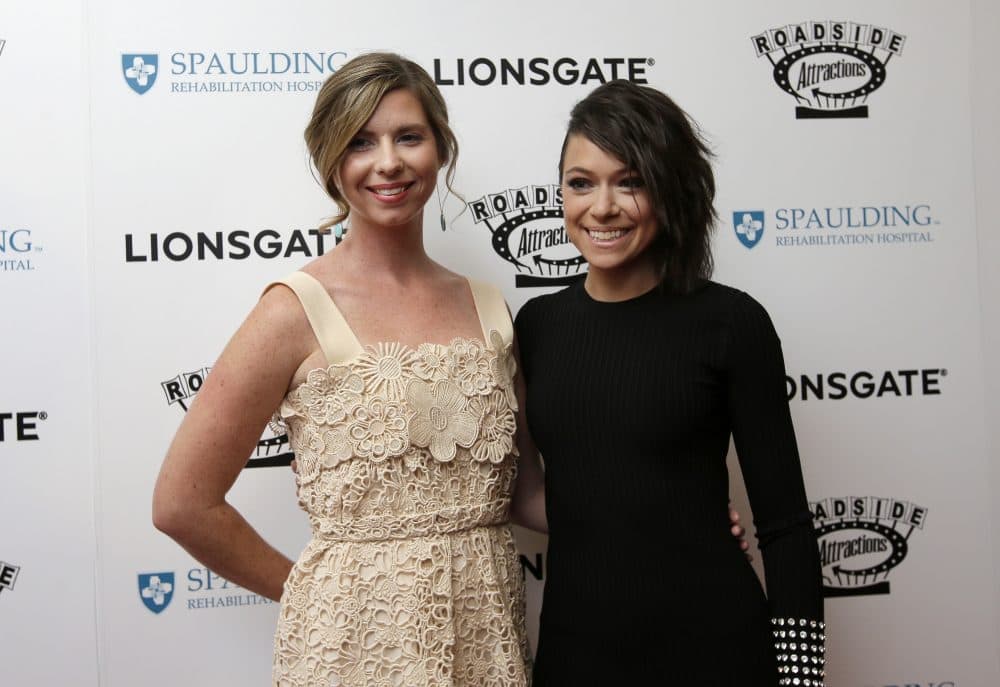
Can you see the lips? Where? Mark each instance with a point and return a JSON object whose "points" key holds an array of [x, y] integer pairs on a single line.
{"points": [[390, 193], [607, 235]]}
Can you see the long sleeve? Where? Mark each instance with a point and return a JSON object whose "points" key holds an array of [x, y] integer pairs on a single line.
{"points": [[769, 459], [633, 404]]}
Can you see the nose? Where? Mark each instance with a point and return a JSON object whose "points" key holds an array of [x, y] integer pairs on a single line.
{"points": [[604, 203], [388, 162]]}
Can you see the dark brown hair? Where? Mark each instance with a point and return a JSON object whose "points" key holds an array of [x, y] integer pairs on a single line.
{"points": [[648, 132]]}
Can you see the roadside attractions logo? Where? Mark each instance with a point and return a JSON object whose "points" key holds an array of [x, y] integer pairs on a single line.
{"points": [[539, 71], [202, 588], [272, 449], [859, 225], [17, 250], [8, 573], [239, 244], [865, 384], [245, 71], [526, 226], [861, 540], [829, 67], [21, 426]]}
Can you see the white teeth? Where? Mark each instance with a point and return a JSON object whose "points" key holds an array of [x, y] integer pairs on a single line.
{"points": [[607, 235], [390, 191]]}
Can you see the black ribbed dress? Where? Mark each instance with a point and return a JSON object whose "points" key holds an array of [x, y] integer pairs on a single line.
{"points": [[632, 405]]}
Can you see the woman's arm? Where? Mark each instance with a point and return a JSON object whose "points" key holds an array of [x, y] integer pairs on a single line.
{"points": [[218, 434], [528, 503], [769, 459]]}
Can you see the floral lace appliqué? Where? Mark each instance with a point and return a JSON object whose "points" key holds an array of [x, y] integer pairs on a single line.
{"points": [[406, 465], [377, 429], [431, 363], [469, 366], [440, 420], [497, 425], [385, 369]]}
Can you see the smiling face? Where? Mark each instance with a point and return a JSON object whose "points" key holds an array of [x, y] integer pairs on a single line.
{"points": [[608, 216], [390, 167]]}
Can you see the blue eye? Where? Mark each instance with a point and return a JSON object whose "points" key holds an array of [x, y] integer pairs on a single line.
{"points": [[631, 183], [358, 144]]}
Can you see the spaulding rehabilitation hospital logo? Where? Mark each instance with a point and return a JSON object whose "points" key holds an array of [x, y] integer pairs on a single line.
{"points": [[527, 228], [273, 449], [861, 540], [829, 67], [140, 71], [234, 71], [156, 590]]}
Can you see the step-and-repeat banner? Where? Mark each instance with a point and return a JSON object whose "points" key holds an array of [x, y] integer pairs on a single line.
{"points": [[155, 179]]}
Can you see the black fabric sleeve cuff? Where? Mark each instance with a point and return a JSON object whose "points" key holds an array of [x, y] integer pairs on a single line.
{"points": [[800, 648]]}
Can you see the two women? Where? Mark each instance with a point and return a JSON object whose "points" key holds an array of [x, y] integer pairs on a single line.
{"points": [[395, 379]]}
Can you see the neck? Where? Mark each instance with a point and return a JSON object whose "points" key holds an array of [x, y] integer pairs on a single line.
{"points": [[621, 284], [396, 251]]}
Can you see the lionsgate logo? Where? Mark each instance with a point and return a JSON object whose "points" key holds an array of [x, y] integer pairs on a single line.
{"points": [[17, 250], [859, 225], [8, 575], [865, 384], [245, 71], [829, 67], [240, 244], [862, 539], [21, 426], [526, 225], [539, 71], [272, 449]]}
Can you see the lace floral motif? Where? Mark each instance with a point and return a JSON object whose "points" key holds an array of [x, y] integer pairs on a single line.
{"points": [[469, 365], [503, 366], [329, 393], [440, 421], [406, 465], [385, 368], [431, 362], [377, 429], [496, 434]]}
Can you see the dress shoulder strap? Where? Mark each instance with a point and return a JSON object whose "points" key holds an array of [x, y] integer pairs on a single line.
{"points": [[334, 335], [492, 309]]}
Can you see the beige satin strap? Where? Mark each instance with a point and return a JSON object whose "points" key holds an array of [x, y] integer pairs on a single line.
{"points": [[334, 335], [492, 309]]}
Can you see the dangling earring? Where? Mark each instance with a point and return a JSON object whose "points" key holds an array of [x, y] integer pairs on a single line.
{"points": [[441, 206]]}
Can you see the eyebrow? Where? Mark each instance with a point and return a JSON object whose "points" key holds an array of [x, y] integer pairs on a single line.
{"points": [[414, 126], [623, 171]]}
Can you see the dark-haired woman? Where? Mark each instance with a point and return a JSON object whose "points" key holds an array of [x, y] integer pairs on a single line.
{"points": [[636, 379]]}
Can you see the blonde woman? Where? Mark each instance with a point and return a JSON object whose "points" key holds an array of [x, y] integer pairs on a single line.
{"points": [[393, 376]]}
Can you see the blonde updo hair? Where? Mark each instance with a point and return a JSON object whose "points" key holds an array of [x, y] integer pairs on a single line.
{"points": [[348, 99]]}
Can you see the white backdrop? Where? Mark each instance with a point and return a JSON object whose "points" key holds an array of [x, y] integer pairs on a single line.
{"points": [[867, 262]]}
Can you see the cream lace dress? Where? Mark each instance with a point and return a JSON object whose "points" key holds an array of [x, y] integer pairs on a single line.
{"points": [[406, 463]]}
